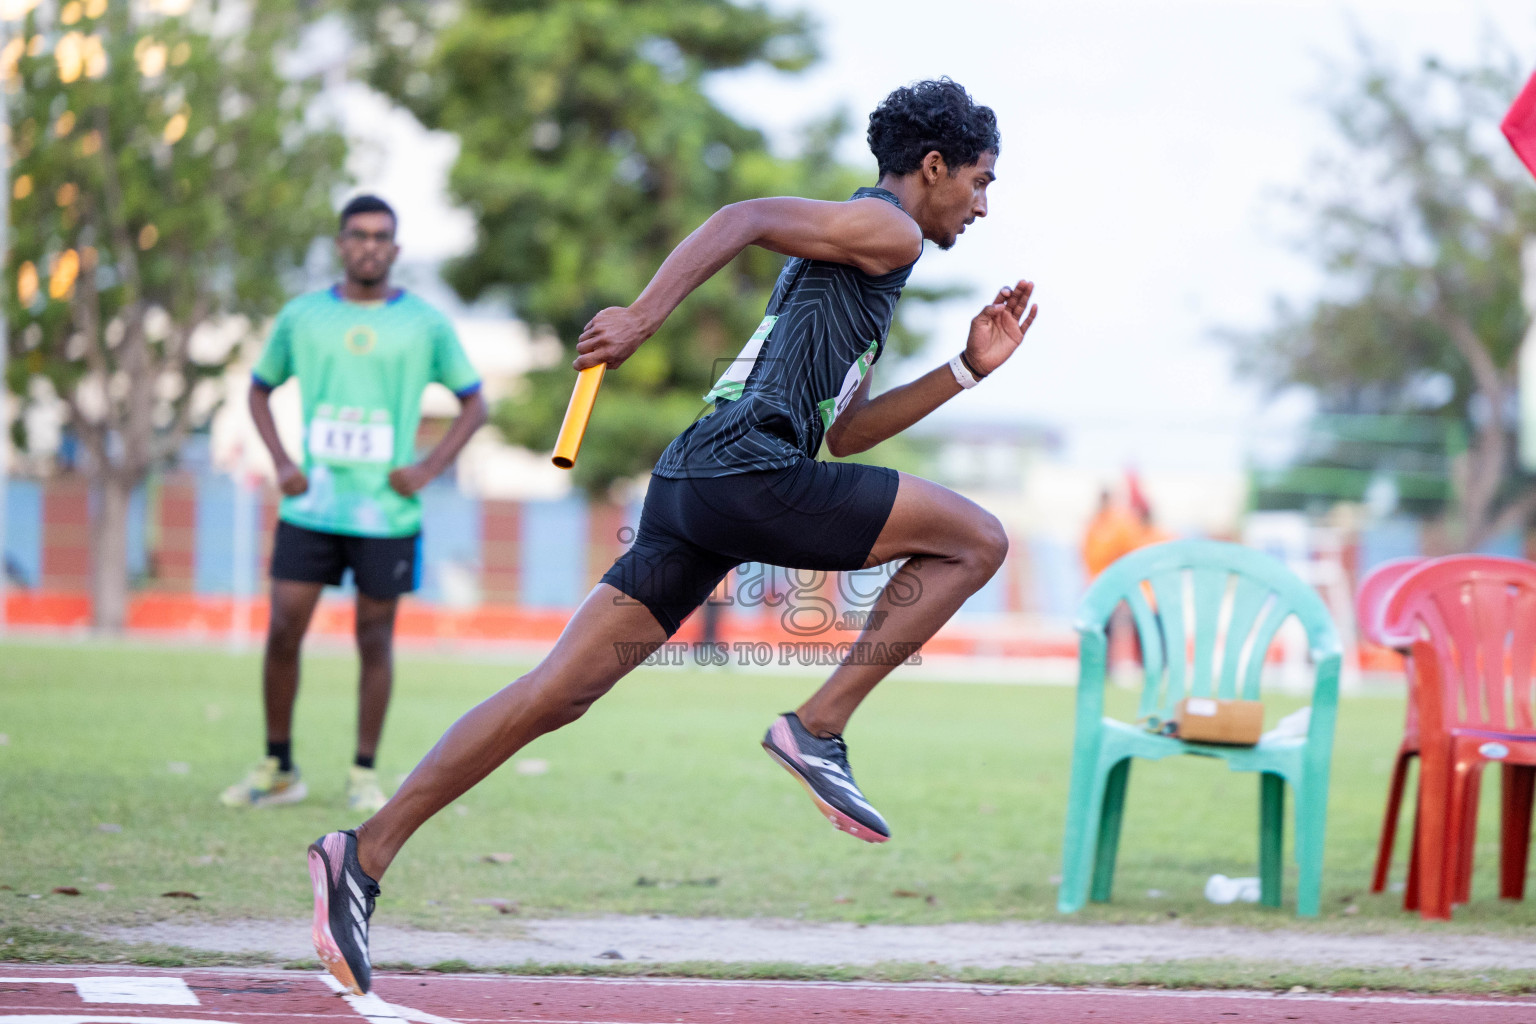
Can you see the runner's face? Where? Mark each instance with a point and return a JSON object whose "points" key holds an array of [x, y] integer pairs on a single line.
{"points": [[959, 198], [367, 247]]}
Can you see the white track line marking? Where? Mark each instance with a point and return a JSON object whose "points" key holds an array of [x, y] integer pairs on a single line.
{"points": [[377, 1011], [142, 991]]}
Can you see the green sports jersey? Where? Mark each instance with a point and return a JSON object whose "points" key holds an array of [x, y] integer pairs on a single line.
{"points": [[362, 368]]}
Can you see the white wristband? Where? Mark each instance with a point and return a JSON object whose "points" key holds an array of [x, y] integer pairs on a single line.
{"points": [[962, 375]]}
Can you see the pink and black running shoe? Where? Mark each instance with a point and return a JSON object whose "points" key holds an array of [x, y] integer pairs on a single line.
{"points": [[343, 904], [821, 765]]}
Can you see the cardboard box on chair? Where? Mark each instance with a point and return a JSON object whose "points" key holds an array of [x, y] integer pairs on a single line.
{"points": [[1238, 723]]}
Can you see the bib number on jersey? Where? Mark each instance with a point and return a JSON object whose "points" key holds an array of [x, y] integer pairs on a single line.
{"points": [[734, 380], [832, 408], [332, 440]]}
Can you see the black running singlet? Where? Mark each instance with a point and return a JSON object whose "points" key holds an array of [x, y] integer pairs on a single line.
{"points": [[826, 326]]}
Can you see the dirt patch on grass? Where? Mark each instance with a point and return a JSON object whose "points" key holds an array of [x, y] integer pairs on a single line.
{"points": [[1017, 944]]}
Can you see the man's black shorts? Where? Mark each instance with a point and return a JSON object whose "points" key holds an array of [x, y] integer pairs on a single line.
{"points": [[382, 567], [814, 515]]}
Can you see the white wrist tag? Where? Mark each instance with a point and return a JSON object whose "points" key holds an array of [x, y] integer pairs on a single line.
{"points": [[962, 375]]}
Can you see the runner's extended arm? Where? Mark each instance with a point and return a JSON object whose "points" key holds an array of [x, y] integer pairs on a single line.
{"points": [[869, 234], [995, 333]]}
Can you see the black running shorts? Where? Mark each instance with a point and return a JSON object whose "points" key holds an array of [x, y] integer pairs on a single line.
{"points": [[814, 515], [382, 567]]}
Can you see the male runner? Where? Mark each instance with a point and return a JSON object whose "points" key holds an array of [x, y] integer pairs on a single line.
{"points": [[742, 484], [363, 353]]}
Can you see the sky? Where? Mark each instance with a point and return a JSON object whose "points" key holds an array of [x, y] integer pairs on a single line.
{"points": [[1144, 149]]}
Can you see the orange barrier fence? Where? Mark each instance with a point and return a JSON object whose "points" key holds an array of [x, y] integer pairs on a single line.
{"points": [[197, 617], [200, 617]]}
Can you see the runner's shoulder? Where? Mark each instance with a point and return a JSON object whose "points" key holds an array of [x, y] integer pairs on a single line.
{"points": [[899, 234]]}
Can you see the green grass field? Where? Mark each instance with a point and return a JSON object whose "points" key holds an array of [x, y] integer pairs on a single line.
{"points": [[659, 801]]}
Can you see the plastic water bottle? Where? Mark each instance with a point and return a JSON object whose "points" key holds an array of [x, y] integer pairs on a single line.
{"points": [[1221, 889]]}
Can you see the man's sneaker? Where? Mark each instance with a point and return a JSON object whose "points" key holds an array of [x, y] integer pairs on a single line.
{"points": [[363, 792], [265, 786], [343, 904], [821, 765]]}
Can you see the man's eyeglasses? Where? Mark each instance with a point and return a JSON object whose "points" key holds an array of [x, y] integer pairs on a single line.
{"points": [[361, 237]]}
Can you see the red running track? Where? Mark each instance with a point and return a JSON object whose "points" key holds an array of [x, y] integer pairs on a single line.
{"points": [[124, 995]]}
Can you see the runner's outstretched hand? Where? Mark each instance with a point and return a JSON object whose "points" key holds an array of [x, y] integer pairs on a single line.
{"points": [[997, 330]]}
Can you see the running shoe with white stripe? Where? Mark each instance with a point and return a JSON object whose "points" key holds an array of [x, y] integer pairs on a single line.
{"points": [[343, 904], [821, 765]]}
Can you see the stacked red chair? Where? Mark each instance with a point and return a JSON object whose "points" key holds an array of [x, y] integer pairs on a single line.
{"points": [[1468, 625], [1370, 604]]}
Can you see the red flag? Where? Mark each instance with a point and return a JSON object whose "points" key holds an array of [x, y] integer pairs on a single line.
{"points": [[1520, 125]]}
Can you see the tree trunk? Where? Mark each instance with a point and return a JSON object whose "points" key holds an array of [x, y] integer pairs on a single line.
{"points": [[1485, 469], [109, 553], [1487, 461]]}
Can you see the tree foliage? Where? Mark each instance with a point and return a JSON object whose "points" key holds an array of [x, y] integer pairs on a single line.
{"points": [[1418, 219], [165, 175], [589, 148]]}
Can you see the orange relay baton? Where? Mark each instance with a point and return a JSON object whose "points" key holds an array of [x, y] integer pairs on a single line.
{"points": [[577, 414]]}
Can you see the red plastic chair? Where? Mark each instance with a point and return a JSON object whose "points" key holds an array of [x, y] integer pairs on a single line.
{"points": [[1370, 604], [1469, 624]]}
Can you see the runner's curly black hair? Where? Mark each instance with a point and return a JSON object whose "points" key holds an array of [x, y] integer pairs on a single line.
{"points": [[938, 115]]}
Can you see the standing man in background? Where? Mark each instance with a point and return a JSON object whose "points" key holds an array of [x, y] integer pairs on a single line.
{"points": [[1119, 527], [363, 353]]}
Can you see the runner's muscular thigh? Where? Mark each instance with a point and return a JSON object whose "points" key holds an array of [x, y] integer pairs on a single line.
{"points": [[926, 519], [589, 657]]}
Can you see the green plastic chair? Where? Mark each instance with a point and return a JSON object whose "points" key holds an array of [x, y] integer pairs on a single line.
{"points": [[1210, 598]]}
